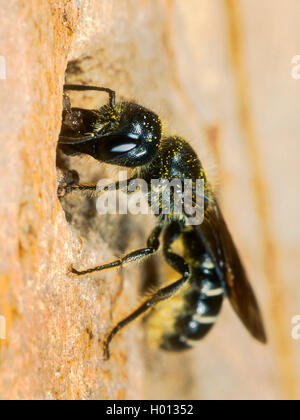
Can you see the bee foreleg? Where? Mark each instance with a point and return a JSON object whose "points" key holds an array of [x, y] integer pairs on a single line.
{"points": [[114, 186]]}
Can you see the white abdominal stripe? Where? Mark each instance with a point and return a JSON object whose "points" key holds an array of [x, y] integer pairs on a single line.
{"points": [[205, 319], [213, 292]]}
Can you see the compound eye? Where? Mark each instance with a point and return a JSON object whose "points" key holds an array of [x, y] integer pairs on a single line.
{"points": [[111, 146], [123, 147]]}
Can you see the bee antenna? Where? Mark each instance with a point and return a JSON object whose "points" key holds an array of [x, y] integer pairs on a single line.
{"points": [[112, 93], [74, 140]]}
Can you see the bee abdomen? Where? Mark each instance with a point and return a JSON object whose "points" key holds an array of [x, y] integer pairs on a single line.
{"points": [[202, 306]]}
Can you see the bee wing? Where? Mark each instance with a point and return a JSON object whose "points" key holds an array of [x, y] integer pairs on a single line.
{"points": [[214, 234]]}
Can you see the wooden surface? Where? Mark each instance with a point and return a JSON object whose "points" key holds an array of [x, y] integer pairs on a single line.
{"points": [[219, 73]]}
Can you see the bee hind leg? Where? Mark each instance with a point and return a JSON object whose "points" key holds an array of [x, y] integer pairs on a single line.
{"points": [[160, 295], [164, 293]]}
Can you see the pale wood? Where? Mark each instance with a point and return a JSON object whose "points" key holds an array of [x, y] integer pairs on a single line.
{"points": [[219, 73]]}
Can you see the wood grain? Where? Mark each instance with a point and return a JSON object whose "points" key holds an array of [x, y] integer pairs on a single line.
{"points": [[219, 74]]}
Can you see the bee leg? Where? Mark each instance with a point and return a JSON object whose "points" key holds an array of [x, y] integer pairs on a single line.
{"points": [[152, 247], [160, 295], [171, 233], [178, 263], [63, 190], [114, 186], [69, 177]]}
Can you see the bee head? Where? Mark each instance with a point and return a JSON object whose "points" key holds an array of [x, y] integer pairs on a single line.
{"points": [[125, 134]]}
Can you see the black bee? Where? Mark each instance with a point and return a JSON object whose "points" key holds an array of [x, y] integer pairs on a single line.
{"points": [[127, 134]]}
